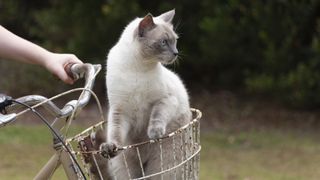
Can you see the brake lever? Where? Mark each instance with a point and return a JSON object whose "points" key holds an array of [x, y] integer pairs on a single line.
{"points": [[4, 102], [7, 118]]}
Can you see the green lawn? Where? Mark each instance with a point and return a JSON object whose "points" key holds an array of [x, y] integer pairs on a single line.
{"points": [[231, 156], [268, 155]]}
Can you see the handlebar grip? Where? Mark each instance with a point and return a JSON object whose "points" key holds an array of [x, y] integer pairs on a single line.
{"points": [[68, 70]]}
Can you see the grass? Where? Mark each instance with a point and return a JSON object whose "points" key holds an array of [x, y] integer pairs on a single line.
{"points": [[252, 155], [260, 155], [24, 150]]}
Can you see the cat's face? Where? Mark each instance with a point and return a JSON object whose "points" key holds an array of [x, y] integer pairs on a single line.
{"points": [[157, 38]]}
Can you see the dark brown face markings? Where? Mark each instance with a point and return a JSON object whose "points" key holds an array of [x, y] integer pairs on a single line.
{"points": [[159, 43]]}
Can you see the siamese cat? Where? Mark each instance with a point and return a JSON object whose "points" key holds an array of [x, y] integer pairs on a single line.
{"points": [[146, 100]]}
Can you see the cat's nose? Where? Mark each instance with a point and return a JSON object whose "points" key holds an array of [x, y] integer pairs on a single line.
{"points": [[175, 53]]}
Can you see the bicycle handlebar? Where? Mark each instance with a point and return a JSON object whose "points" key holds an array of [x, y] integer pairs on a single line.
{"points": [[86, 71]]}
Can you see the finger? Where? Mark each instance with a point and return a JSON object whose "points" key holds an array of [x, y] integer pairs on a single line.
{"points": [[75, 59], [69, 81], [61, 74], [66, 79]]}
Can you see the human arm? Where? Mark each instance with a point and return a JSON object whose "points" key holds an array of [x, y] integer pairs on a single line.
{"points": [[17, 48]]}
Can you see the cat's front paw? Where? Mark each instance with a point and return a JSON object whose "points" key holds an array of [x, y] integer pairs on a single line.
{"points": [[108, 150], [155, 132]]}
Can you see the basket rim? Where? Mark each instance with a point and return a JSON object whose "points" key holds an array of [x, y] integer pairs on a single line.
{"points": [[79, 137]]}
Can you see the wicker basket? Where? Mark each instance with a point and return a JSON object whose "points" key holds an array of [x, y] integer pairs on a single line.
{"points": [[178, 153]]}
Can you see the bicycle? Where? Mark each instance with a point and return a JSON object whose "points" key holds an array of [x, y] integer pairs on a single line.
{"points": [[65, 154]]}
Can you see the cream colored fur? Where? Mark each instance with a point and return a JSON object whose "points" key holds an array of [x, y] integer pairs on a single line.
{"points": [[146, 100]]}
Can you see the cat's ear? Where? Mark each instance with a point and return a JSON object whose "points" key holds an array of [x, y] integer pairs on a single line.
{"points": [[146, 24], [168, 16]]}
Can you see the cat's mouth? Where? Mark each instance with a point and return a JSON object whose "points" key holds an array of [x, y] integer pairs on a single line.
{"points": [[170, 61]]}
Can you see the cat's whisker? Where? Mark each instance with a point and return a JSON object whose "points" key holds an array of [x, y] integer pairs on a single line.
{"points": [[177, 62], [177, 26], [181, 53]]}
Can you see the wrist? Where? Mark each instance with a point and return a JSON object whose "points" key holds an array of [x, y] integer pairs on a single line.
{"points": [[45, 59]]}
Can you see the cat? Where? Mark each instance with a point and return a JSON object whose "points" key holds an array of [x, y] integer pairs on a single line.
{"points": [[146, 100]]}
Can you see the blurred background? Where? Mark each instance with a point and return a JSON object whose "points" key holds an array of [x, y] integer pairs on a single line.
{"points": [[252, 67]]}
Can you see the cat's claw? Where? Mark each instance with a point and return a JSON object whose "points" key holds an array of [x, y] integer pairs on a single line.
{"points": [[108, 150], [156, 132]]}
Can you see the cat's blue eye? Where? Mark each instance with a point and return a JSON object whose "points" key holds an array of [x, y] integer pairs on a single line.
{"points": [[164, 42]]}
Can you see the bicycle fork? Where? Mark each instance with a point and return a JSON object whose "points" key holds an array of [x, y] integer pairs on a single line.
{"points": [[61, 156]]}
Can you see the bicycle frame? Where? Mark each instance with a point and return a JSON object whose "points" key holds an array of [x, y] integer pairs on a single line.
{"points": [[61, 157], [63, 119]]}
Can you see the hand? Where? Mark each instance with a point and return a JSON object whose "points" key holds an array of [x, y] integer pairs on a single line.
{"points": [[55, 63], [17, 48]]}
